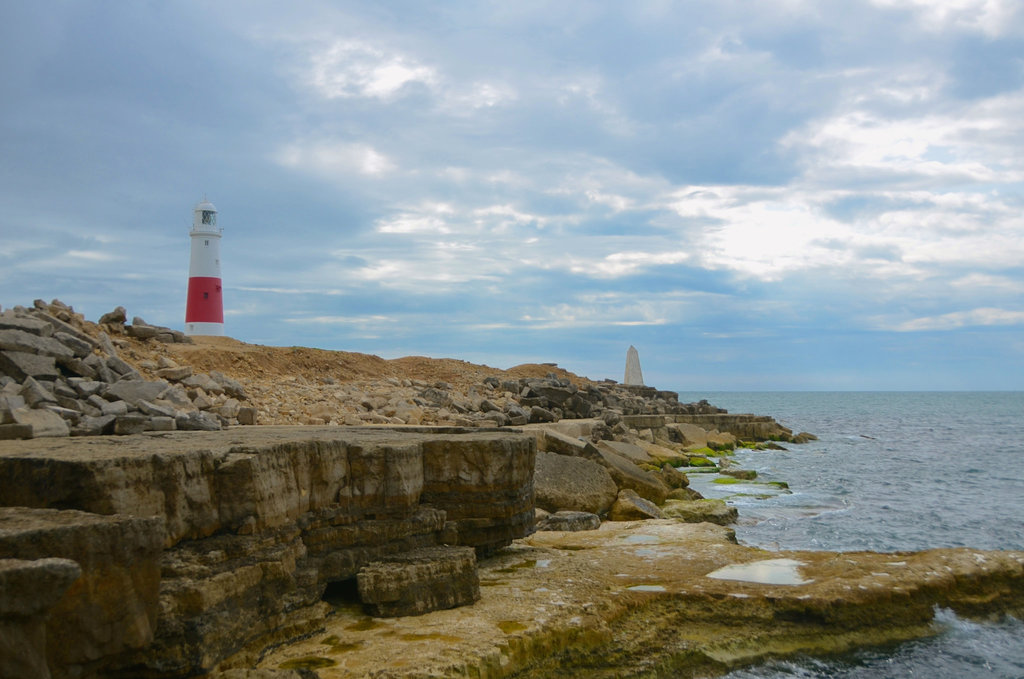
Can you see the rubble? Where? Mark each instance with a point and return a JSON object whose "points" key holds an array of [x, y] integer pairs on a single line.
{"points": [[61, 375]]}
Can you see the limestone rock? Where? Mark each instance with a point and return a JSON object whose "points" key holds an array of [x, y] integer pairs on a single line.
{"points": [[538, 414], [44, 423], [628, 475], [28, 590], [633, 452], [673, 478], [420, 581], [684, 494], [113, 606], [116, 317], [697, 511], [21, 365], [744, 474], [9, 321], [631, 507], [570, 521], [135, 391], [562, 482]]}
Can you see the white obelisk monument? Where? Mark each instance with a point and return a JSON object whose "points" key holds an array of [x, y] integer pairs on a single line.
{"points": [[204, 309], [634, 376]]}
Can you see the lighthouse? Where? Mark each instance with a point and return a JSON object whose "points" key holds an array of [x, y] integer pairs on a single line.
{"points": [[204, 309]]}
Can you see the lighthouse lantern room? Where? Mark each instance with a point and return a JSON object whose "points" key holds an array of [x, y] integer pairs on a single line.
{"points": [[204, 309]]}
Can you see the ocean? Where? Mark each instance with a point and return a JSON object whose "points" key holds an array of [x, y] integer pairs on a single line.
{"points": [[891, 471]]}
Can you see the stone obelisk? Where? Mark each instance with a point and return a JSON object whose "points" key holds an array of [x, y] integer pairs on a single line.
{"points": [[633, 374]]}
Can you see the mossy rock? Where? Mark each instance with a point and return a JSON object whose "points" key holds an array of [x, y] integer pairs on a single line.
{"points": [[699, 511], [699, 461], [745, 474]]}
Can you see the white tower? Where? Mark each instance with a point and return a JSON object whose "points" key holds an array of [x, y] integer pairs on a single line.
{"points": [[634, 376], [204, 310]]}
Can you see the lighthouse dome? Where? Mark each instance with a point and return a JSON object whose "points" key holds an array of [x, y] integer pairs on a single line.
{"points": [[205, 217]]}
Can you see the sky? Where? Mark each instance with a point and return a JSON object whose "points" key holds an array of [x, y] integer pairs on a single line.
{"points": [[770, 195]]}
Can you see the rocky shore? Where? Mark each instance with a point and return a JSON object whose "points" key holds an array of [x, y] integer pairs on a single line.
{"points": [[425, 518]]}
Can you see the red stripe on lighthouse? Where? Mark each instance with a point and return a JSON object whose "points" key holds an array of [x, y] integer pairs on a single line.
{"points": [[205, 302]]}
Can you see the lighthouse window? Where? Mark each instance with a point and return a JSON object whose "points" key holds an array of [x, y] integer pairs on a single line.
{"points": [[206, 295], [206, 242], [209, 217]]}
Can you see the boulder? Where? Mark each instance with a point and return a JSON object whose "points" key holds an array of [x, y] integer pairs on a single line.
{"points": [[116, 317], [630, 451], [698, 511], [721, 441], [631, 507], [569, 521], [420, 581], [627, 475], [672, 477], [684, 494], [562, 482], [538, 414], [689, 435]]}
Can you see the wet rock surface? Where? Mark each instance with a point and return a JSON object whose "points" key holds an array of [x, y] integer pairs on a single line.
{"points": [[635, 599]]}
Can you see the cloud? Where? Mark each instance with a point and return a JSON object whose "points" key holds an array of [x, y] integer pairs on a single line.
{"points": [[985, 316], [348, 68], [991, 17], [335, 159]]}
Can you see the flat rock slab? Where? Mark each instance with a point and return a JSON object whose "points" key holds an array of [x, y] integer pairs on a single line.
{"points": [[631, 596], [420, 581]]}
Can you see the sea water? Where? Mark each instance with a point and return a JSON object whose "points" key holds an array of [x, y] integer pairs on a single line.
{"points": [[891, 471]]}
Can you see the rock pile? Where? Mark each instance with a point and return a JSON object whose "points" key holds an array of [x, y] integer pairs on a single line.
{"points": [[63, 376]]}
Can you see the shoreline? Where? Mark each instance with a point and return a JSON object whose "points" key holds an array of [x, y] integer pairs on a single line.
{"points": [[193, 553]]}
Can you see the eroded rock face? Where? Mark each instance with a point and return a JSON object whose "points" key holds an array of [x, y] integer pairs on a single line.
{"points": [[28, 591], [244, 529], [112, 607], [420, 581], [569, 521]]}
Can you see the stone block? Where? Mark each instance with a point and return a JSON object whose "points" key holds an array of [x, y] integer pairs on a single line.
{"points": [[19, 340], [79, 348], [35, 394], [21, 365], [94, 426], [122, 367], [126, 425], [9, 321], [43, 422], [175, 374], [135, 391], [420, 581]]}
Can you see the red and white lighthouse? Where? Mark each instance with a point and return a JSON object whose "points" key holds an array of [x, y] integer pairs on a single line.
{"points": [[204, 310]]}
